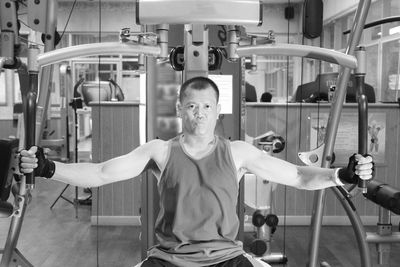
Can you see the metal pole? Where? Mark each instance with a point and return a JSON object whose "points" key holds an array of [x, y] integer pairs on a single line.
{"points": [[27, 182], [47, 71], [333, 123]]}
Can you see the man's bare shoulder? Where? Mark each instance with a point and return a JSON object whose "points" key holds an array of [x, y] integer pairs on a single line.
{"points": [[242, 152], [156, 146], [157, 142], [239, 145], [157, 150]]}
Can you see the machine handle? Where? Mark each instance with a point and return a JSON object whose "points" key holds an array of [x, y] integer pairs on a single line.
{"points": [[30, 122], [362, 109], [362, 134]]}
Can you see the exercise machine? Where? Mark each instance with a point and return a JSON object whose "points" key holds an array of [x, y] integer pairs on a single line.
{"points": [[259, 197], [196, 63], [29, 78]]}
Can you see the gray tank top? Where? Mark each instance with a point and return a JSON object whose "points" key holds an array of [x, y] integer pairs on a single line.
{"points": [[197, 224]]}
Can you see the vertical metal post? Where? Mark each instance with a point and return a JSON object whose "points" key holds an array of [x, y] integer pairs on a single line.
{"points": [[47, 71], [196, 51], [162, 40], [333, 123], [384, 229]]}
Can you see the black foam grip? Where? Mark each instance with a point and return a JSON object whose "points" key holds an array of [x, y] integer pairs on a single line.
{"points": [[384, 195]]}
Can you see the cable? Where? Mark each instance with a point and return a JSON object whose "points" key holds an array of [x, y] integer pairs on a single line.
{"points": [[25, 24], [286, 135], [29, 42], [69, 16], [378, 22], [98, 189], [22, 3]]}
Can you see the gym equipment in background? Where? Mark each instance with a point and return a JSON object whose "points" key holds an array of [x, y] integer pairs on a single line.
{"points": [[259, 198]]}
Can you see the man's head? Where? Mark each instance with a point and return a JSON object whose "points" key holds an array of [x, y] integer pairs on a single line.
{"points": [[198, 83], [198, 106]]}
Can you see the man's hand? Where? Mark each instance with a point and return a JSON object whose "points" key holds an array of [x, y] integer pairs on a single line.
{"points": [[359, 167], [28, 160], [34, 160]]}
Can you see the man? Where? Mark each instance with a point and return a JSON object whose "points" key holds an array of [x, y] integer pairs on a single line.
{"points": [[198, 175]]}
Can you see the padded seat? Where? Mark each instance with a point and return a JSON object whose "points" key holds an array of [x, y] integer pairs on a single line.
{"points": [[8, 150]]}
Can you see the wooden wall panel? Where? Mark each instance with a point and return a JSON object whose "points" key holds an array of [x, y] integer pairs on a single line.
{"points": [[115, 133], [292, 122]]}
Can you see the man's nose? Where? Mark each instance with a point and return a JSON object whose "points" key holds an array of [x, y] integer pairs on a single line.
{"points": [[199, 112]]}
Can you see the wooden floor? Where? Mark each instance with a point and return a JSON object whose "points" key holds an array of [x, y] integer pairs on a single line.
{"points": [[51, 238]]}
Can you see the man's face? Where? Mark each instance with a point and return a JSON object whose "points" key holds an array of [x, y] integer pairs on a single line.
{"points": [[199, 111]]}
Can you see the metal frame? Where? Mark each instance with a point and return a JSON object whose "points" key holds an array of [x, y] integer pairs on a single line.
{"points": [[333, 123], [29, 96], [129, 49]]}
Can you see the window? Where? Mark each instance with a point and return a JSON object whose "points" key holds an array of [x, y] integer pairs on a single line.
{"points": [[382, 46], [391, 71]]}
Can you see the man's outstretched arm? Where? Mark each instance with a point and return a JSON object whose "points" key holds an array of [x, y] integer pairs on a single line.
{"points": [[303, 177], [91, 174]]}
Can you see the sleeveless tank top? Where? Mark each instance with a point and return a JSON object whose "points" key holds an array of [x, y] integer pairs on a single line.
{"points": [[197, 224]]}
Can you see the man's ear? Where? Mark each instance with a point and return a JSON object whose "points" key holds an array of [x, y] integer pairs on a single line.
{"points": [[218, 108], [178, 107]]}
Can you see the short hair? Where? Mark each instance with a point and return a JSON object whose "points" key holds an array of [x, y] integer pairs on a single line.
{"points": [[198, 83]]}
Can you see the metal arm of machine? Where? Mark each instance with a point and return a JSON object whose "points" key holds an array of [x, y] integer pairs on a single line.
{"points": [[318, 53], [110, 48]]}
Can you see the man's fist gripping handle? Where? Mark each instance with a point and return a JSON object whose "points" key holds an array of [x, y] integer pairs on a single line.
{"points": [[355, 170], [34, 161]]}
